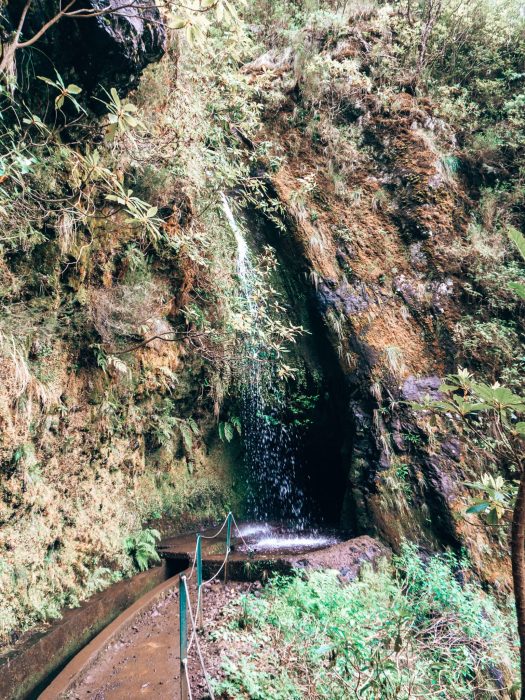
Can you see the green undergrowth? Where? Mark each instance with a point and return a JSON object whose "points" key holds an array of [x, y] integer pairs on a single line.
{"points": [[107, 242], [409, 630], [67, 551]]}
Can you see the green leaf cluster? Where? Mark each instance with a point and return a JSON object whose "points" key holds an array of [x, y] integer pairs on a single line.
{"points": [[121, 116], [142, 547], [495, 500], [228, 428], [65, 92]]}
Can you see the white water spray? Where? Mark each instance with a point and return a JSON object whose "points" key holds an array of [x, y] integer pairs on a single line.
{"points": [[270, 447], [267, 544]]}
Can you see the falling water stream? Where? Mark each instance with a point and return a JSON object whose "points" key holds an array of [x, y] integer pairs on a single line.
{"points": [[275, 500], [270, 445]]}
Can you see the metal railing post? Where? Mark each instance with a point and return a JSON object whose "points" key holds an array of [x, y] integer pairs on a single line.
{"points": [[183, 638], [228, 544], [198, 555]]}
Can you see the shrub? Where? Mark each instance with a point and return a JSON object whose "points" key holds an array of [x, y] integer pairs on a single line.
{"points": [[410, 631], [492, 345]]}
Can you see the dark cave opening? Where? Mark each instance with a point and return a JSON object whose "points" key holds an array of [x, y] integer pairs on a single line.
{"points": [[321, 462], [318, 405]]}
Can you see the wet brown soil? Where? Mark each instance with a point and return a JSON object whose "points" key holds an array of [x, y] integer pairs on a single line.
{"points": [[143, 661]]}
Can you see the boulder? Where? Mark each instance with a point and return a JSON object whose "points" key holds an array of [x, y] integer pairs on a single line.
{"points": [[419, 388], [110, 50], [346, 557]]}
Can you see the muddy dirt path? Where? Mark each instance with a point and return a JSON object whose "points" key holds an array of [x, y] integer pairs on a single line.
{"points": [[143, 661]]}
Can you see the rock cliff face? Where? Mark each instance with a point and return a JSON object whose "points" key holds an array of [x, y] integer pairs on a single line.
{"points": [[380, 254], [121, 316], [93, 450], [109, 50]]}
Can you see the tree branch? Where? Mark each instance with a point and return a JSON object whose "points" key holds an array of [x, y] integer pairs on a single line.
{"points": [[162, 336], [44, 28]]}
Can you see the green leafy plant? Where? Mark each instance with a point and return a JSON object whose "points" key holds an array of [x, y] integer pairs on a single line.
{"points": [[140, 212], [413, 439], [495, 500], [16, 163], [166, 425], [101, 356], [519, 241], [391, 633], [188, 429], [121, 116], [65, 92], [142, 547], [195, 23], [228, 428]]}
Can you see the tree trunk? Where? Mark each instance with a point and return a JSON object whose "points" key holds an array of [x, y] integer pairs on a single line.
{"points": [[7, 61], [518, 571]]}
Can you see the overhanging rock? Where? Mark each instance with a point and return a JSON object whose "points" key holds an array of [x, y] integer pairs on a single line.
{"points": [[110, 50]]}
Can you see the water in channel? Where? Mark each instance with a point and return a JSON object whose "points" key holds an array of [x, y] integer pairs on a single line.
{"points": [[269, 444]]}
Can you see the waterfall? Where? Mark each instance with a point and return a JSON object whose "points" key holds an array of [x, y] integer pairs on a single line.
{"points": [[242, 247], [269, 444]]}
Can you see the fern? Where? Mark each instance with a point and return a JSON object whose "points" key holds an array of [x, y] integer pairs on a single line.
{"points": [[227, 429], [165, 425], [142, 547], [187, 437], [188, 428], [518, 239]]}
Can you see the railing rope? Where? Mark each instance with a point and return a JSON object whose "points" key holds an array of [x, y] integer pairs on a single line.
{"points": [[185, 606], [197, 644], [198, 556]]}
